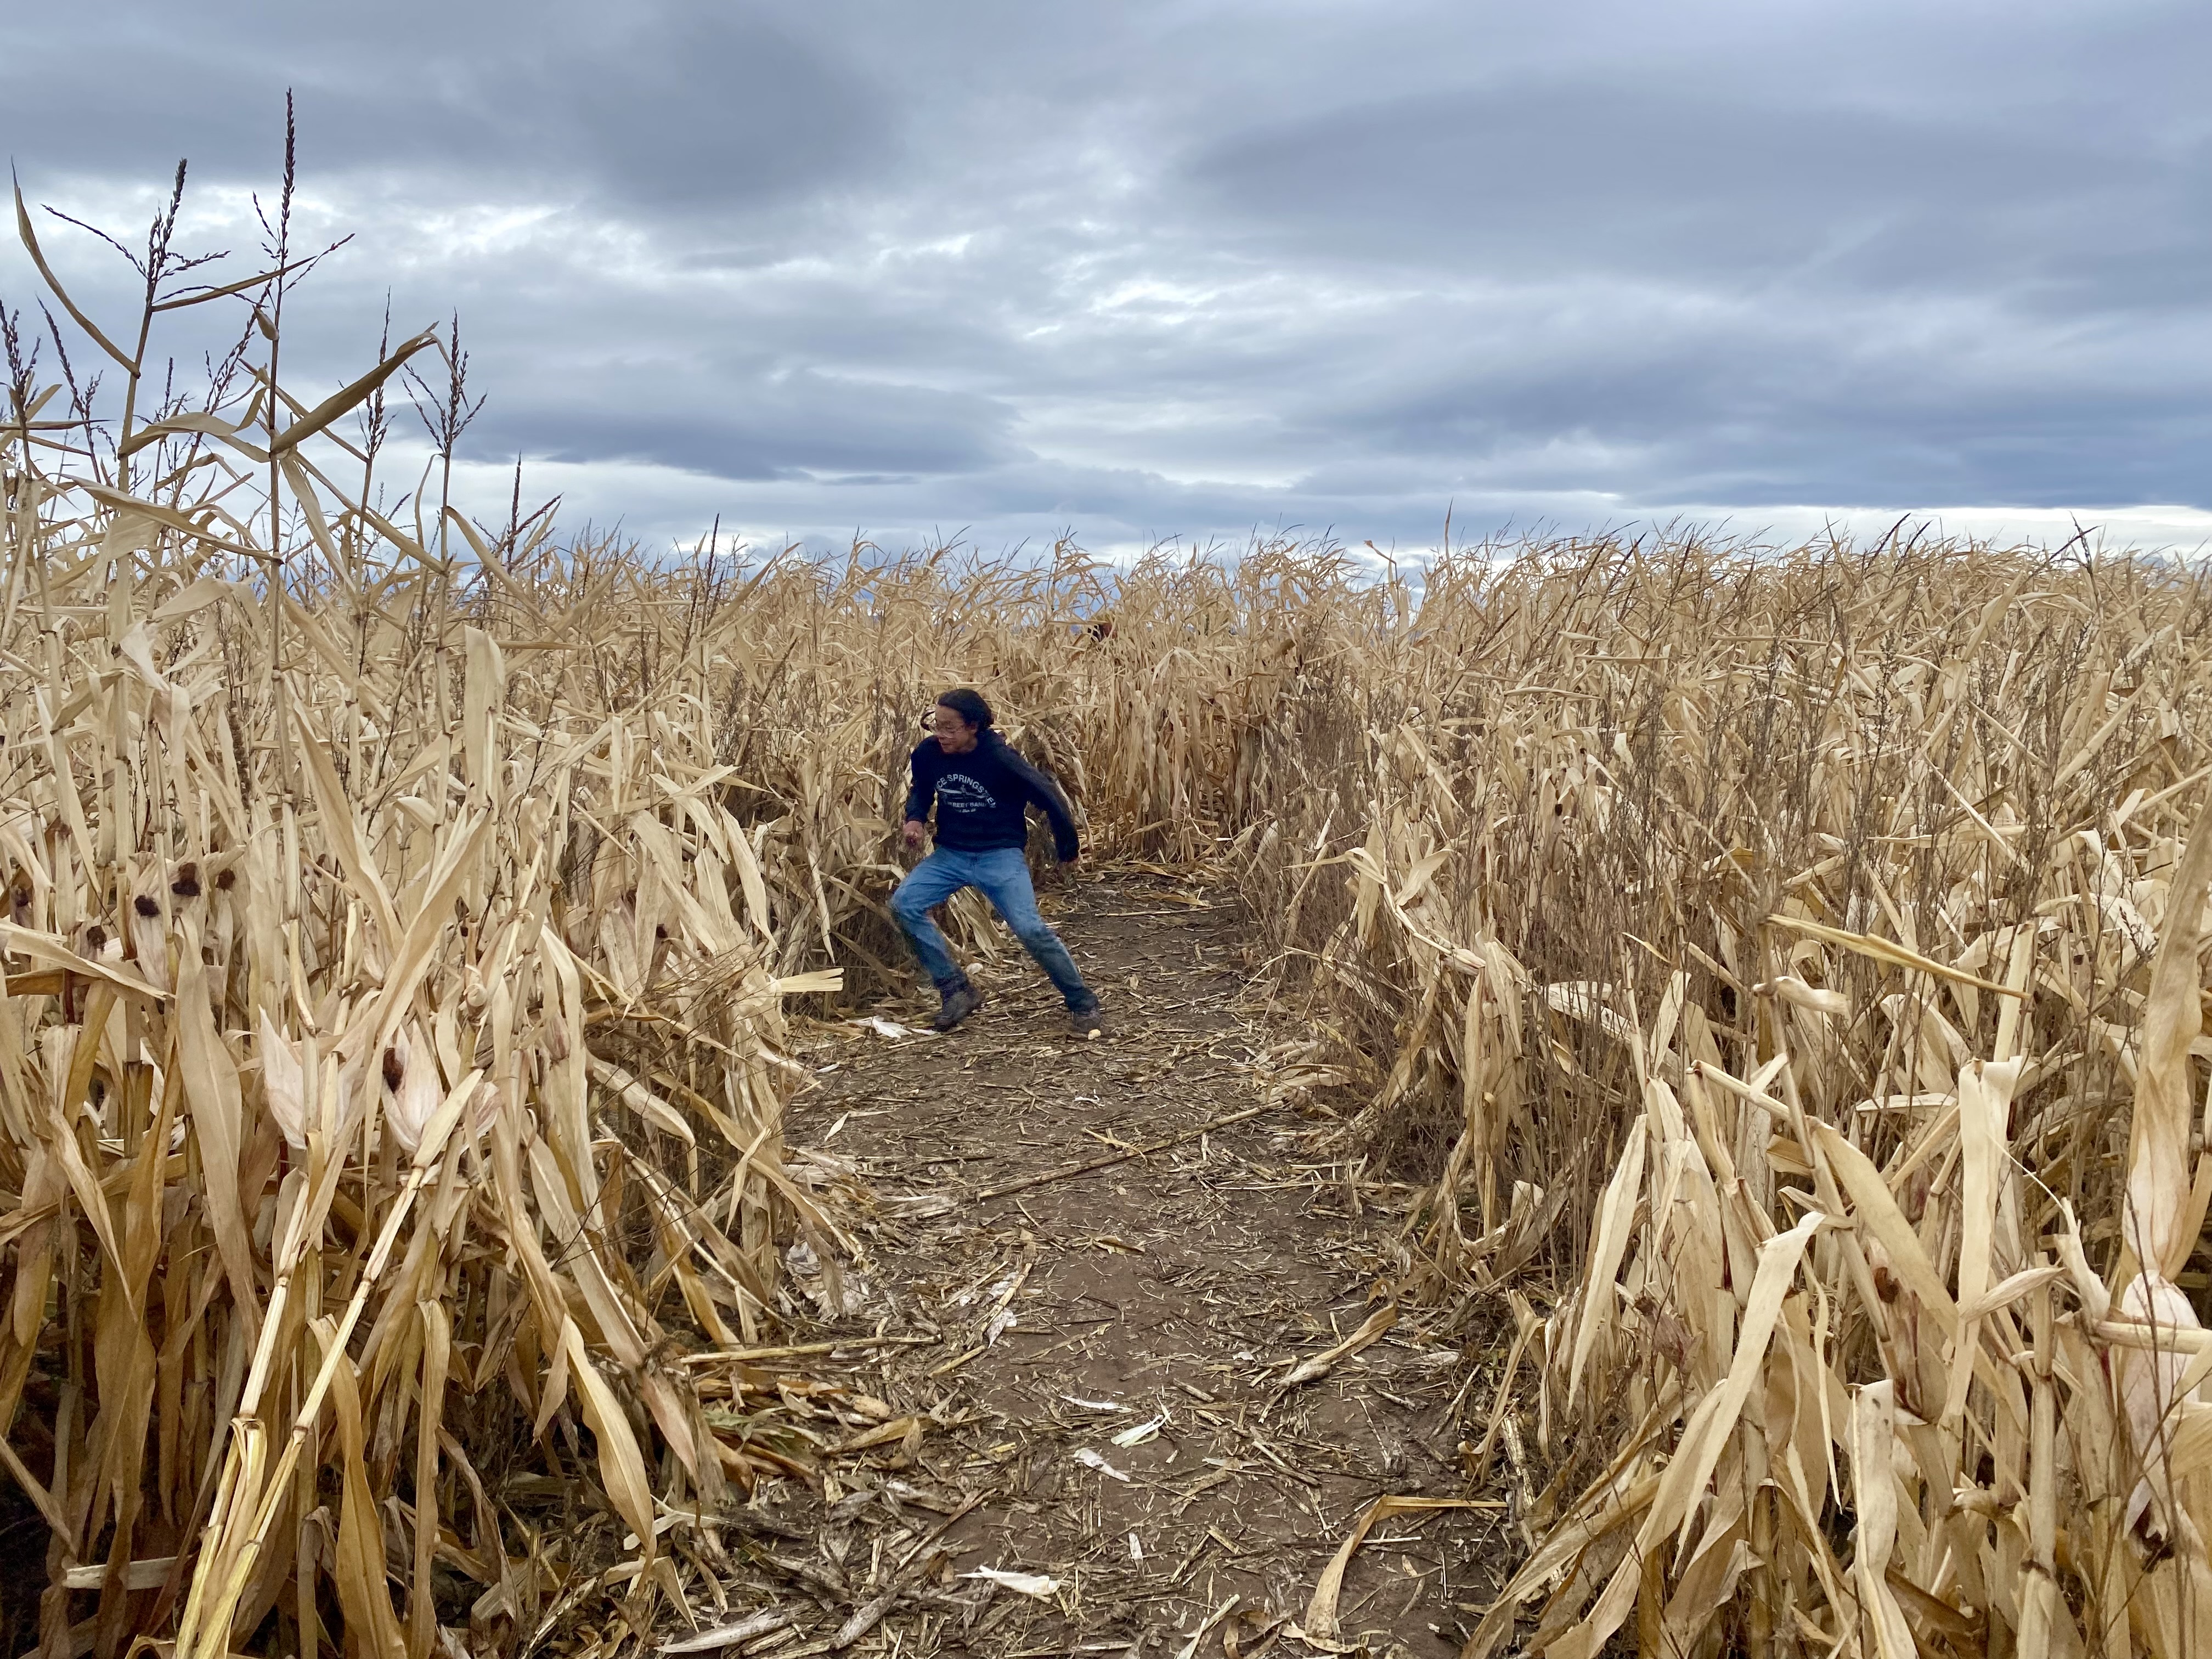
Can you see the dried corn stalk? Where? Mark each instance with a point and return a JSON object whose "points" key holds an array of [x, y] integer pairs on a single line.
{"points": [[1804, 954], [389, 1083]]}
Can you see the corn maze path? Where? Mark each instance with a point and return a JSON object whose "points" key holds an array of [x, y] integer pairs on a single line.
{"points": [[1095, 1367]]}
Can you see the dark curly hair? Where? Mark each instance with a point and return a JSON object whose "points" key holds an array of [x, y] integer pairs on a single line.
{"points": [[969, 704]]}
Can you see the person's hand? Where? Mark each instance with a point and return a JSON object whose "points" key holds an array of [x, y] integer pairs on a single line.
{"points": [[913, 829]]}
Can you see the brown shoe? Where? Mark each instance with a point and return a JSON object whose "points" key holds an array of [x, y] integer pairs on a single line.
{"points": [[1085, 1023]]}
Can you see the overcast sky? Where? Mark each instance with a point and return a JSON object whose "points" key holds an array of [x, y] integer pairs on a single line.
{"points": [[1191, 269]]}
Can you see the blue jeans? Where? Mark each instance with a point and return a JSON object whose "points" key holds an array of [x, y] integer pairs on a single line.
{"points": [[1003, 874]]}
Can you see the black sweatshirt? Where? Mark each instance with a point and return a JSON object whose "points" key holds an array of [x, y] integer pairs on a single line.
{"points": [[979, 796]]}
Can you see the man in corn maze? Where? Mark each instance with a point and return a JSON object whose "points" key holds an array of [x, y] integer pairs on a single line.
{"points": [[981, 788]]}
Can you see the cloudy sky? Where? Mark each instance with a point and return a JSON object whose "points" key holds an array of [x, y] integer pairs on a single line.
{"points": [[1144, 270]]}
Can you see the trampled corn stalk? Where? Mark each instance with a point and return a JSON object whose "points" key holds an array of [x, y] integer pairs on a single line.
{"points": [[389, 1072]]}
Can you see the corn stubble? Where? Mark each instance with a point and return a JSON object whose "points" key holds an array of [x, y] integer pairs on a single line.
{"points": [[1785, 970]]}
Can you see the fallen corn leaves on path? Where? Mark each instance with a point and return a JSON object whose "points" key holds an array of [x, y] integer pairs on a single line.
{"points": [[1087, 1376]]}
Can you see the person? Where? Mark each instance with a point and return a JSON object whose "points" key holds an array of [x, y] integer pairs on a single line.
{"points": [[980, 787]]}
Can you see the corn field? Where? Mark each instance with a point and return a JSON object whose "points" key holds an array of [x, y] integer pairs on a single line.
{"points": [[1777, 972]]}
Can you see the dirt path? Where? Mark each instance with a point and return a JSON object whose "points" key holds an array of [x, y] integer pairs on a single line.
{"points": [[1097, 1366]]}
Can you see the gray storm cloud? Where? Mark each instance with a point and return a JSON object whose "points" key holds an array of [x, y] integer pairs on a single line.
{"points": [[1192, 270]]}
